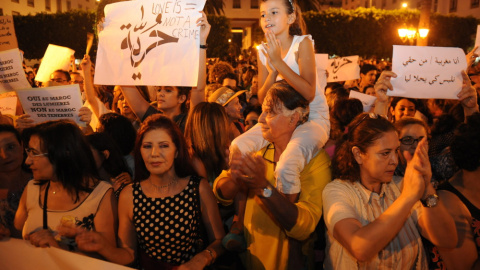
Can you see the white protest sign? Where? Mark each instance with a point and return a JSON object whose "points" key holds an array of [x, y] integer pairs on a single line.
{"points": [[56, 57], [13, 250], [8, 105], [367, 100], [427, 72], [343, 69], [149, 42], [8, 39], [477, 40], [12, 76], [52, 103]]}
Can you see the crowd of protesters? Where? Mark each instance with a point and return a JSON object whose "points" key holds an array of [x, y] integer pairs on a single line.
{"points": [[262, 165]]}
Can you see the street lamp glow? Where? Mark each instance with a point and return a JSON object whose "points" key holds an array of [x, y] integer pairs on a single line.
{"points": [[229, 40], [402, 32], [423, 32], [404, 5]]}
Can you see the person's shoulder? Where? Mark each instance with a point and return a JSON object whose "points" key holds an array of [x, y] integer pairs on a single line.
{"points": [[320, 161], [303, 39]]}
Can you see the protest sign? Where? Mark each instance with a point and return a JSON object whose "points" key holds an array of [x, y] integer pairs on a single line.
{"points": [[477, 40], [427, 72], [56, 57], [12, 76], [12, 252], [8, 39], [149, 42], [343, 69], [367, 100], [52, 103]]}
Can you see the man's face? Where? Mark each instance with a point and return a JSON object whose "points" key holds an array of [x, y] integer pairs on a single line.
{"points": [[234, 109], [369, 78], [59, 77], [230, 82], [77, 79]]}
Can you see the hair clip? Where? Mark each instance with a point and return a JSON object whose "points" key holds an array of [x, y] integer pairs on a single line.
{"points": [[291, 3]]}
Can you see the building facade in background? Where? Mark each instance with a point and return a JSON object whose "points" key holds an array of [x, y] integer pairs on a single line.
{"points": [[25, 7]]}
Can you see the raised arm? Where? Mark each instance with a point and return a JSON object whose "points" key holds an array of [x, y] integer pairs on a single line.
{"points": [[135, 100], [89, 88], [197, 94], [468, 96], [381, 87]]}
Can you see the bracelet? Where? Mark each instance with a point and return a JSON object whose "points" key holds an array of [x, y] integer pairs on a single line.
{"points": [[203, 46], [211, 255]]}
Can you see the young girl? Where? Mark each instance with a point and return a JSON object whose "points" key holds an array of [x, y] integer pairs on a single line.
{"points": [[289, 55]]}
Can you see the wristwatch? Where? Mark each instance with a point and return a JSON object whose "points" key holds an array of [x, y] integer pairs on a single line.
{"points": [[430, 201], [267, 191]]}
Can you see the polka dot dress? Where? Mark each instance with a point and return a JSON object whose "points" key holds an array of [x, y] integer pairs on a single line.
{"points": [[167, 227]]}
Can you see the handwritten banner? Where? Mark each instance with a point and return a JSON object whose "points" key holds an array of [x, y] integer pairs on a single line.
{"points": [[150, 42], [52, 103], [13, 250], [8, 39], [367, 100], [343, 69], [427, 72], [12, 76], [56, 57]]}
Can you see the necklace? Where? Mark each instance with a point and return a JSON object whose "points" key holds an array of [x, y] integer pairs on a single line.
{"points": [[157, 188]]}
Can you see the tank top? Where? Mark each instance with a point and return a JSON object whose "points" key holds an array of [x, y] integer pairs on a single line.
{"points": [[82, 215], [167, 228], [318, 107]]}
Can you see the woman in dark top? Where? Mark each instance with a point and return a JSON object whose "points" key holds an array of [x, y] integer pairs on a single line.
{"points": [[162, 214]]}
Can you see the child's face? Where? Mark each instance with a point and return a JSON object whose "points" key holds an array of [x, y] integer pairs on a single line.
{"points": [[274, 16]]}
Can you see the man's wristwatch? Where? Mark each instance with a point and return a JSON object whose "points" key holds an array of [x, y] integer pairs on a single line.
{"points": [[267, 191], [430, 201]]}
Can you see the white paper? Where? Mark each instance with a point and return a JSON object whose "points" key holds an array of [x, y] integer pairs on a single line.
{"points": [[52, 103], [343, 69], [150, 42], [56, 57], [477, 40], [427, 72], [8, 38], [8, 105], [12, 76], [16, 254], [367, 100]]}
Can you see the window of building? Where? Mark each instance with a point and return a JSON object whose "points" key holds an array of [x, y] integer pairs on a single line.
{"points": [[475, 4], [394, 1], [435, 5], [59, 5], [16, 1], [236, 4], [15, 13], [384, 3], [453, 5], [69, 5], [254, 4], [1, 11], [31, 3], [80, 6]]}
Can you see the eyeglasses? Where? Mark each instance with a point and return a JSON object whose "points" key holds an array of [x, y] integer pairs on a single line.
{"points": [[409, 140], [77, 82], [32, 153], [58, 80]]}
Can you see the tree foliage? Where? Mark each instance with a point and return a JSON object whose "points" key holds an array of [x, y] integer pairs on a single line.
{"points": [[69, 29], [373, 32]]}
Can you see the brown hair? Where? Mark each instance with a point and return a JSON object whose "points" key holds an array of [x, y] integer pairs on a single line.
{"points": [[406, 121], [183, 164], [363, 131], [299, 27]]}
